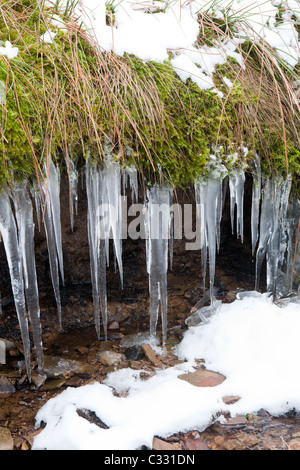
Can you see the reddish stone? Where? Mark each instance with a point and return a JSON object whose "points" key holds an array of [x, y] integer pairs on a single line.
{"points": [[194, 444], [203, 378], [230, 399], [159, 444]]}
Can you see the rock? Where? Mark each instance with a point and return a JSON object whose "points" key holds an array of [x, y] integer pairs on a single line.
{"points": [[151, 355], [55, 366], [159, 444], [6, 440], [114, 325], [203, 378], [109, 358], [230, 399], [38, 379], [134, 353], [53, 384], [194, 444], [294, 444], [6, 388]]}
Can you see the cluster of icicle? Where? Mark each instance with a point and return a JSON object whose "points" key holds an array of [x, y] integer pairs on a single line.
{"points": [[273, 222]]}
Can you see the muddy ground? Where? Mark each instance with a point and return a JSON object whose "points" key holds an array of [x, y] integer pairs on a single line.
{"points": [[128, 314]]}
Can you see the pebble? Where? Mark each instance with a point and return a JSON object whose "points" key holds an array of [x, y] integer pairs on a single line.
{"points": [[6, 388], [109, 358], [151, 355]]}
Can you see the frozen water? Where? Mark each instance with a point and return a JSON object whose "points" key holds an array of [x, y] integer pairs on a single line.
{"points": [[158, 229], [73, 199], [9, 234], [209, 194], [203, 314], [256, 196], [24, 217], [275, 235], [236, 185], [49, 201]]}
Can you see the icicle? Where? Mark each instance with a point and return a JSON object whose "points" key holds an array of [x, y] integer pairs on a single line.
{"points": [[236, 185], [8, 230], [256, 195], [158, 226], [73, 199], [50, 202], [209, 196], [275, 235], [24, 216], [53, 196], [104, 218], [130, 173], [113, 187]]}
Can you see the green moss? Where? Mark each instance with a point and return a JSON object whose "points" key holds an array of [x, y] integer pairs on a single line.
{"points": [[67, 97]]}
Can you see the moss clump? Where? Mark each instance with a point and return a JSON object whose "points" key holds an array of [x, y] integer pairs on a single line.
{"points": [[67, 97]]}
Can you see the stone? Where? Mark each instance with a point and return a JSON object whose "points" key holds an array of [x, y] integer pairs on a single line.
{"points": [[194, 444], [38, 379], [109, 358], [6, 440], [159, 444], [114, 325], [55, 366], [134, 353], [294, 444], [203, 378], [6, 388], [151, 355], [53, 384], [230, 399]]}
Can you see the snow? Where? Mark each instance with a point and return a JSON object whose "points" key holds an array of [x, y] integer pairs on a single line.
{"points": [[252, 341], [168, 31], [8, 50]]}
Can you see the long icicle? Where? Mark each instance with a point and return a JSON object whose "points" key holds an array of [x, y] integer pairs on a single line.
{"points": [[8, 230], [24, 216]]}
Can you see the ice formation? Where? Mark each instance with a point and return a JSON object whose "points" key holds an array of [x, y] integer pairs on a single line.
{"points": [[49, 202], [158, 231], [9, 234], [24, 217], [104, 221], [276, 236], [236, 185], [274, 223], [209, 194]]}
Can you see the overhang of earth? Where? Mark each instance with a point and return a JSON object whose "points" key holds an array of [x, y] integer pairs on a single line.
{"points": [[64, 98]]}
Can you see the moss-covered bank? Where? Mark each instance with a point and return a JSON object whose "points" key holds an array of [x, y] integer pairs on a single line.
{"points": [[68, 98]]}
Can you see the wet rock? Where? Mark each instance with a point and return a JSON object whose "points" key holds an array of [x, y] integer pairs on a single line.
{"points": [[6, 388], [38, 379], [134, 353], [55, 366], [230, 399], [203, 378], [53, 385], [159, 444], [109, 358], [151, 355], [114, 325], [6, 440]]}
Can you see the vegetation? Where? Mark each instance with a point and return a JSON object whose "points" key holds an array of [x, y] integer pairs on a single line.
{"points": [[66, 99]]}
